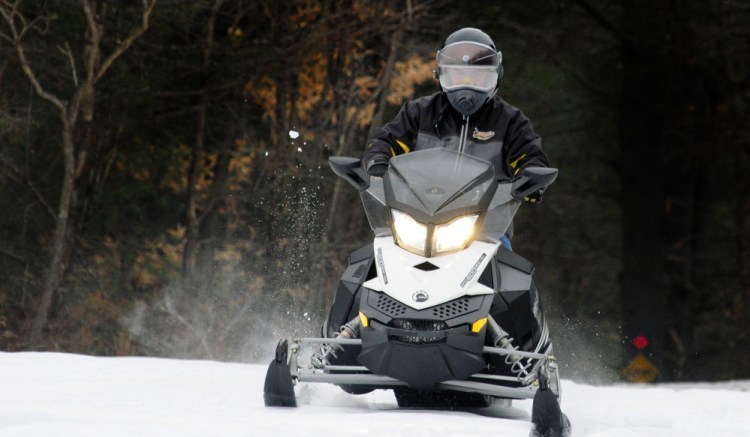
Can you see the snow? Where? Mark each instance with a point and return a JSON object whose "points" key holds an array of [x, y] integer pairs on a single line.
{"points": [[55, 394]]}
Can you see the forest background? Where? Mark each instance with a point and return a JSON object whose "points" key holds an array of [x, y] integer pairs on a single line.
{"points": [[165, 190]]}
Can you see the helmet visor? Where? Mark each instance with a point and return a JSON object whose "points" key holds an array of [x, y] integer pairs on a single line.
{"points": [[478, 78], [468, 65]]}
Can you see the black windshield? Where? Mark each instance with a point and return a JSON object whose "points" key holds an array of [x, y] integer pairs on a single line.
{"points": [[437, 184]]}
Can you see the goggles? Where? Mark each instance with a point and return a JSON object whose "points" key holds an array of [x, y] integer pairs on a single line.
{"points": [[468, 65]]}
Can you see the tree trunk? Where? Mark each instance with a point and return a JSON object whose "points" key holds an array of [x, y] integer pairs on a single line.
{"points": [[193, 226], [82, 103], [743, 244], [58, 264], [192, 231], [213, 226]]}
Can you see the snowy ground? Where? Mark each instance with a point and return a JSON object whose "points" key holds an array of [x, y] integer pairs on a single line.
{"points": [[48, 394]]}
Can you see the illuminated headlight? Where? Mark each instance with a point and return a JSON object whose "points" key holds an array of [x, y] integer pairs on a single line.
{"points": [[455, 235], [414, 236], [410, 234]]}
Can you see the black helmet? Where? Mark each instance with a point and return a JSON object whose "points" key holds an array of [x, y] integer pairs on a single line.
{"points": [[469, 67]]}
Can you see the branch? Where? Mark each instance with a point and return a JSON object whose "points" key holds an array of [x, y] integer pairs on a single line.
{"points": [[9, 15], [148, 8], [17, 173], [603, 22], [96, 38], [12, 255], [66, 51], [201, 335]]}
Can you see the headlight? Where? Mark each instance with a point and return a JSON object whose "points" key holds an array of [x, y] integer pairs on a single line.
{"points": [[455, 235], [410, 234], [414, 236]]}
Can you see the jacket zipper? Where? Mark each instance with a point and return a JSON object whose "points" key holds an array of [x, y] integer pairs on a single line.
{"points": [[461, 143], [464, 133]]}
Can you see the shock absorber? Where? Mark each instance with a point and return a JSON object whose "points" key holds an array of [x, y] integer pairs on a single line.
{"points": [[501, 339], [321, 358]]}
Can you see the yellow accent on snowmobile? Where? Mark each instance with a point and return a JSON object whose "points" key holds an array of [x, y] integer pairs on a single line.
{"points": [[478, 325]]}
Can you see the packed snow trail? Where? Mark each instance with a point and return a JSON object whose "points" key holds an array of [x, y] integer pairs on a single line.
{"points": [[53, 394]]}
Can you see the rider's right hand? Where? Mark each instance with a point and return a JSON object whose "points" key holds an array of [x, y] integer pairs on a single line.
{"points": [[377, 170]]}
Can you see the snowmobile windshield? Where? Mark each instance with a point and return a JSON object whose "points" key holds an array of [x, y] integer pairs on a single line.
{"points": [[373, 199], [438, 185]]}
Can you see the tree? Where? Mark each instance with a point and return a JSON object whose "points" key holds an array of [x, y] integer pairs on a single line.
{"points": [[75, 107], [192, 225]]}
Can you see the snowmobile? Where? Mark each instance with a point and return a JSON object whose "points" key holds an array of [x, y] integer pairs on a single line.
{"points": [[435, 308]]}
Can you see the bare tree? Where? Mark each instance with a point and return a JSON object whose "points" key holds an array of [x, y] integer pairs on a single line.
{"points": [[193, 222], [75, 110]]}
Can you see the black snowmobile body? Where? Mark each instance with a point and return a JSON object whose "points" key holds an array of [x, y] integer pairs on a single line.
{"points": [[435, 308]]}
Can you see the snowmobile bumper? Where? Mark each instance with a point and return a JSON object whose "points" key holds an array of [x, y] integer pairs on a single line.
{"points": [[499, 386], [449, 354]]}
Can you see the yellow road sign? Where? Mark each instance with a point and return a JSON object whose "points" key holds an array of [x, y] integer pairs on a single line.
{"points": [[640, 369]]}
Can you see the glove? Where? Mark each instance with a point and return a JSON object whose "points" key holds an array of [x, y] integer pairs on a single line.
{"points": [[534, 197], [377, 170]]}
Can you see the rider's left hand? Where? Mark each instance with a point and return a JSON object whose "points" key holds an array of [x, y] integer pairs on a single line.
{"points": [[534, 197]]}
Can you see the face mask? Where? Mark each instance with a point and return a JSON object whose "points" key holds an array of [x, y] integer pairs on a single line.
{"points": [[467, 101]]}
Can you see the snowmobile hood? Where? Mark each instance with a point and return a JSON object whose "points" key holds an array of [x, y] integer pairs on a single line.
{"points": [[437, 185]]}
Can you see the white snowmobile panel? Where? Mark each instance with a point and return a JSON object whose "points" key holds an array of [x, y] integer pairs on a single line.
{"points": [[399, 278]]}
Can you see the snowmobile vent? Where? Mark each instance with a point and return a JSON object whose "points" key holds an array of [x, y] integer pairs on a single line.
{"points": [[451, 309], [358, 273], [432, 331], [390, 306]]}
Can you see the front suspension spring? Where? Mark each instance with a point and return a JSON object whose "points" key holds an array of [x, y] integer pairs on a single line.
{"points": [[327, 351], [501, 339]]}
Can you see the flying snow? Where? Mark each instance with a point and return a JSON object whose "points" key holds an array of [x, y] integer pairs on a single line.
{"points": [[293, 134]]}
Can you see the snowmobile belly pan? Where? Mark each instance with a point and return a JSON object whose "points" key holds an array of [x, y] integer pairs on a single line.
{"points": [[459, 356]]}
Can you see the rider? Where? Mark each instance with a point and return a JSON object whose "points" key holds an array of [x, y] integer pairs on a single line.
{"points": [[467, 116]]}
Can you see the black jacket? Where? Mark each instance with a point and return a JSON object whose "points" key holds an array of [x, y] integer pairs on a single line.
{"points": [[498, 132]]}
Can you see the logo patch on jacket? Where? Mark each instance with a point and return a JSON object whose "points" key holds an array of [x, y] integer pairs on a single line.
{"points": [[482, 136]]}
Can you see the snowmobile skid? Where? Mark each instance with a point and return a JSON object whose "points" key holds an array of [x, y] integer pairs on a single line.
{"points": [[434, 308], [362, 378]]}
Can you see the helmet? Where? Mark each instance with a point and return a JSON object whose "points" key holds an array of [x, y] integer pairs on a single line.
{"points": [[469, 67]]}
